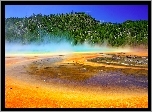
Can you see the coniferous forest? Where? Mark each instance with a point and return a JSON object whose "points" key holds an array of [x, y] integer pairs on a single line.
{"points": [[76, 28]]}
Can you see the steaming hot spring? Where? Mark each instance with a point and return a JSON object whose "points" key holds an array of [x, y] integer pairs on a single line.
{"points": [[63, 76]]}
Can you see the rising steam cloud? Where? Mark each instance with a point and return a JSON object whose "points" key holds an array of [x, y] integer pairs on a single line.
{"points": [[61, 47]]}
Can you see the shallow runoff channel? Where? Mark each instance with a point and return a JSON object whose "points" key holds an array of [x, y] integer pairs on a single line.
{"points": [[74, 74]]}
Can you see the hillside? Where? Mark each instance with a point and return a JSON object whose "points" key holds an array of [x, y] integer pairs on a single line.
{"points": [[76, 28]]}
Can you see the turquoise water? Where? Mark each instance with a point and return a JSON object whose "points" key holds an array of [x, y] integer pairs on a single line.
{"points": [[53, 48]]}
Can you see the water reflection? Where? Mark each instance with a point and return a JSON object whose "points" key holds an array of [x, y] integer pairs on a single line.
{"points": [[79, 74], [118, 79]]}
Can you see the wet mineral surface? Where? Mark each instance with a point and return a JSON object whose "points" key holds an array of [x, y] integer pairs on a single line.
{"points": [[86, 75], [61, 81], [122, 59]]}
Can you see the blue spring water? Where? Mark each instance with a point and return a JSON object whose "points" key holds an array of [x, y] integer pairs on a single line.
{"points": [[64, 47]]}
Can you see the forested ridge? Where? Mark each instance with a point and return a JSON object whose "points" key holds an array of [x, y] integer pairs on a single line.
{"points": [[77, 28]]}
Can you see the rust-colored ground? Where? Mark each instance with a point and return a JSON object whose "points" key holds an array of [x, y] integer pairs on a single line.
{"points": [[20, 94]]}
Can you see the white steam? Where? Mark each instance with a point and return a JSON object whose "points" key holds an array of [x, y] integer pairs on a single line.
{"points": [[62, 47]]}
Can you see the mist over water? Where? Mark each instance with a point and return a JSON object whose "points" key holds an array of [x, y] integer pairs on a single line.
{"points": [[60, 47], [35, 48]]}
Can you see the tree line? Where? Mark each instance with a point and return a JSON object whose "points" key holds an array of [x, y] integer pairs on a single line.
{"points": [[77, 28]]}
